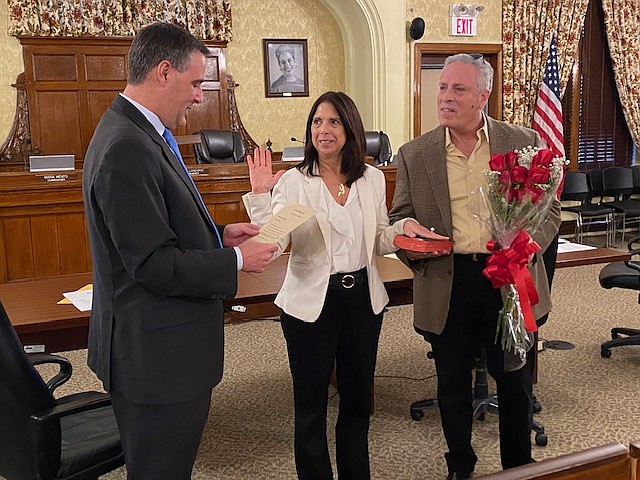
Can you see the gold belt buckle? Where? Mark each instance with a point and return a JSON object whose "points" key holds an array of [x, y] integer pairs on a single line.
{"points": [[348, 281]]}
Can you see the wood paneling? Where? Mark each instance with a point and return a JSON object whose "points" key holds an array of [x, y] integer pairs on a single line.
{"points": [[54, 68], [58, 125], [72, 81], [43, 229], [18, 252], [97, 104], [101, 68], [42, 224]]}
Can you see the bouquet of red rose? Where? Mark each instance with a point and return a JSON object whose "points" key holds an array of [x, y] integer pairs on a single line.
{"points": [[521, 187]]}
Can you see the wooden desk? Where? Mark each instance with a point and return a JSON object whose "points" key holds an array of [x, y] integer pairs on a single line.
{"points": [[38, 320], [589, 257]]}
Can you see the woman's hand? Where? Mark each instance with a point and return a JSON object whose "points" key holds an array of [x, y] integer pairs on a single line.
{"points": [[260, 171]]}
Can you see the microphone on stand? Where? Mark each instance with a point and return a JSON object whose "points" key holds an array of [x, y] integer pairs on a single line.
{"points": [[293, 154]]}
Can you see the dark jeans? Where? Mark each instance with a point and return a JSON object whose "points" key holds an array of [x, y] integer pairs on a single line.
{"points": [[471, 324], [549, 258], [346, 333]]}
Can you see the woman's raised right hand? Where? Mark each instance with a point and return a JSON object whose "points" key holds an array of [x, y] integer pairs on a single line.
{"points": [[261, 175]]}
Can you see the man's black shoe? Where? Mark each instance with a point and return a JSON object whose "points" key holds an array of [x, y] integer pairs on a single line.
{"points": [[458, 475]]}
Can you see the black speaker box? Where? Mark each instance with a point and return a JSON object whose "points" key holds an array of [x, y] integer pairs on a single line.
{"points": [[417, 28]]}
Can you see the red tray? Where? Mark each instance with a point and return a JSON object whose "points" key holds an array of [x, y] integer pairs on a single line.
{"points": [[422, 245]]}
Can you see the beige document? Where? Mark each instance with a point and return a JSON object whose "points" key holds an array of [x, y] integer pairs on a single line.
{"points": [[81, 299], [66, 301], [285, 221]]}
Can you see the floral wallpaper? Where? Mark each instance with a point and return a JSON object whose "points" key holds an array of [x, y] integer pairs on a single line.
{"points": [[206, 19]]}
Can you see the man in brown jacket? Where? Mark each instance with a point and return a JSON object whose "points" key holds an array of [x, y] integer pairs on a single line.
{"points": [[438, 183]]}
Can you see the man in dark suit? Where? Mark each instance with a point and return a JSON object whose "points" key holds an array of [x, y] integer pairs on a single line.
{"points": [[161, 266], [438, 183]]}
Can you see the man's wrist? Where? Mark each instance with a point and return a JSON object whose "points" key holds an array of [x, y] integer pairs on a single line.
{"points": [[239, 259]]}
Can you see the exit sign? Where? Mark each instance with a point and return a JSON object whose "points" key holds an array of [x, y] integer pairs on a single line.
{"points": [[464, 26]]}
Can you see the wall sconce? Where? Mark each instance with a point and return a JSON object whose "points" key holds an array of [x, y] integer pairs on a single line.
{"points": [[463, 19], [465, 10]]}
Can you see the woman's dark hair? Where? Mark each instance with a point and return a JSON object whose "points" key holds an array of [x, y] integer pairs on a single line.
{"points": [[354, 150]]}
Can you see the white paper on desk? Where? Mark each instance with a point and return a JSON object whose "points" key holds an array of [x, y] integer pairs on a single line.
{"points": [[81, 299], [567, 247], [285, 221]]}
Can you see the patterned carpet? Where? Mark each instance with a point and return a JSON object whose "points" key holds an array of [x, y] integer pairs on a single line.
{"points": [[587, 400]]}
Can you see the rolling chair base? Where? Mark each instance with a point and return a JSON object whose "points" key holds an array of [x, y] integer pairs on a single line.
{"points": [[482, 403], [417, 408], [479, 409], [620, 336]]}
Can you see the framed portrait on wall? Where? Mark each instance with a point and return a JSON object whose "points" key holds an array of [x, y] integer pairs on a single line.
{"points": [[286, 71]]}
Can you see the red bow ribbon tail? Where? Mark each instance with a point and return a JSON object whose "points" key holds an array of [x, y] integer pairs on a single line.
{"points": [[509, 266]]}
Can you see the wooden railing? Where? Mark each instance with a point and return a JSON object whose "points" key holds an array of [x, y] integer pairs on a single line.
{"points": [[607, 462]]}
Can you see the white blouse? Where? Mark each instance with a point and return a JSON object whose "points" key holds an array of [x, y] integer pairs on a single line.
{"points": [[347, 227]]}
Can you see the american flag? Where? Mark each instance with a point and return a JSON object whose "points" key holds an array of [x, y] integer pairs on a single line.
{"points": [[547, 117]]}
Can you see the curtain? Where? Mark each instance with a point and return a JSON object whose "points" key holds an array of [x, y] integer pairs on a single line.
{"points": [[621, 19], [205, 19], [527, 27]]}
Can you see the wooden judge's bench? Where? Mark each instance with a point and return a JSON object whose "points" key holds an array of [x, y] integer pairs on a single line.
{"points": [[67, 85], [42, 224]]}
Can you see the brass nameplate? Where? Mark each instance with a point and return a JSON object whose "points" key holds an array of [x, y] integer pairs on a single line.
{"points": [[56, 177], [197, 171]]}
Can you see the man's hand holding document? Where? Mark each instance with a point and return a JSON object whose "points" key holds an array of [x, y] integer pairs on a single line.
{"points": [[284, 222]]}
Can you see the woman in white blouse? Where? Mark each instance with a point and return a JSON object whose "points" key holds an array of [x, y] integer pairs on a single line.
{"points": [[332, 296]]}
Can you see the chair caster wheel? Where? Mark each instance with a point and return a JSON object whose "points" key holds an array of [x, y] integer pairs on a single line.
{"points": [[417, 414], [605, 353], [537, 408], [541, 439]]}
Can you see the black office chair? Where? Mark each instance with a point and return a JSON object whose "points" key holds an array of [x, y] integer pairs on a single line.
{"points": [[596, 185], [576, 188], [41, 437], [219, 146], [622, 275], [618, 183], [635, 171], [378, 147]]}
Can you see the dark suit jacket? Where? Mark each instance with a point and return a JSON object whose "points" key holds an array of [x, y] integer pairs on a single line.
{"points": [[159, 276], [422, 192]]}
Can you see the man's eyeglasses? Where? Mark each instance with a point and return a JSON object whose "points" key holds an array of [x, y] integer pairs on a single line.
{"points": [[476, 56]]}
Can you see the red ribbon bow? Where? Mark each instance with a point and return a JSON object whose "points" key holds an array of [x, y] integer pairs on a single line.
{"points": [[509, 266]]}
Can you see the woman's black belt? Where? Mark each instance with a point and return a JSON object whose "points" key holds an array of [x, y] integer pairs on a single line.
{"points": [[348, 280]]}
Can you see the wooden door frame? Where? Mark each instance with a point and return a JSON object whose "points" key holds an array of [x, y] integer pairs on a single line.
{"points": [[492, 52]]}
